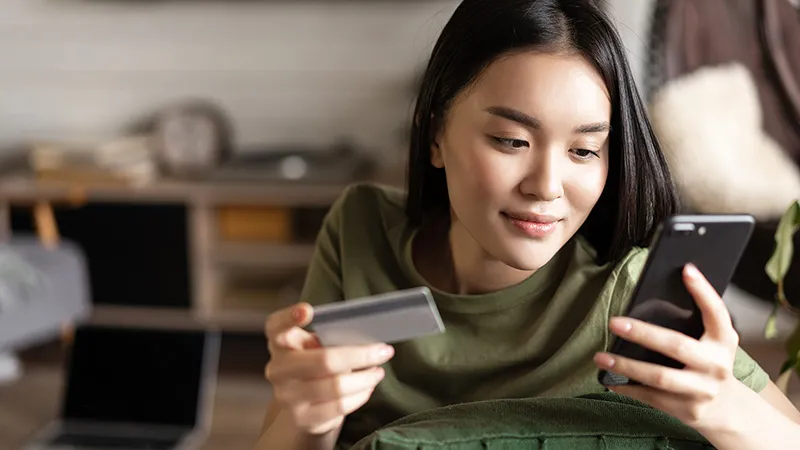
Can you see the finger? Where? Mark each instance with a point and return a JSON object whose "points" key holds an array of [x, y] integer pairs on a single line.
{"points": [[299, 315], [676, 381], [294, 338], [324, 390], [323, 413], [716, 318], [671, 343], [324, 362]]}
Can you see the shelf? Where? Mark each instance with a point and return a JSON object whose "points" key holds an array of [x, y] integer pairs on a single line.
{"points": [[249, 244], [147, 316], [255, 300], [240, 321], [22, 188], [263, 256]]}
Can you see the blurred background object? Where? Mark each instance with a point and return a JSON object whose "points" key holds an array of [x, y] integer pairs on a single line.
{"points": [[124, 160], [199, 144], [192, 138], [41, 291], [191, 149], [135, 388], [729, 70], [10, 367], [723, 84]]}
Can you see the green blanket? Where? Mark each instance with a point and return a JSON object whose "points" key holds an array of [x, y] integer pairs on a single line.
{"points": [[599, 421]]}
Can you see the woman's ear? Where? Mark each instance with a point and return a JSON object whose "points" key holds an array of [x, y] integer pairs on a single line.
{"points": [[436, 154], [436, 149]]}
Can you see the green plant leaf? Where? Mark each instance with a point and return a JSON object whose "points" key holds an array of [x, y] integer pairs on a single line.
{"points": [[793, 344], [792, 365], [788, 365], [782, 382], [797, 363], [778, 264], [771, 327]]}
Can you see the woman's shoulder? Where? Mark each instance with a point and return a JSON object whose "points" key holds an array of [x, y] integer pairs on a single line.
{"points": [[367, 212], [369, 198], [630, 267], [353, 246]]}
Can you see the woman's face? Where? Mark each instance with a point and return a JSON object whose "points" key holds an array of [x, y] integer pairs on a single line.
{"points": [[525, 152]]}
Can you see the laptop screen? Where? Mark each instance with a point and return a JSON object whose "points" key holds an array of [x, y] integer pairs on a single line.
{"points": [[137, 375]]}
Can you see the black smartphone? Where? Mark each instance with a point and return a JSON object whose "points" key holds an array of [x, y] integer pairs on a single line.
{"points": [[713, 243]]}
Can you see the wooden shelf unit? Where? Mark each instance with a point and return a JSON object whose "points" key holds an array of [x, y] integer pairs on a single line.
{"points": [[235, 282]]}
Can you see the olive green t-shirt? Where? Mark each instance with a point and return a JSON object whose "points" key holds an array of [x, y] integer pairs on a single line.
{"points": [[533, 339]]}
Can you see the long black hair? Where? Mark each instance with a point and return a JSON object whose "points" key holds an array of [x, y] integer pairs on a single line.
{"points": [[639, 191]]}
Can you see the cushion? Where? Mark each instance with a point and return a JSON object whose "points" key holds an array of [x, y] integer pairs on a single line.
{"points": [[597, 421], [711, 126]]}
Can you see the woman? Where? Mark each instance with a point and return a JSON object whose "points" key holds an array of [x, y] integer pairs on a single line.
{"points": [[534, 183]]}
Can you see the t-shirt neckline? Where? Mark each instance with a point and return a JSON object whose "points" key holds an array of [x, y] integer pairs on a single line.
{"points": [[524, 291]]}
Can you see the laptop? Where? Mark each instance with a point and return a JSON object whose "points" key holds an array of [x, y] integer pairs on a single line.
{"points": [[136, 388]]}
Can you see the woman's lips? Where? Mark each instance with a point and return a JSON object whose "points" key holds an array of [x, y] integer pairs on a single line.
{"points": [[536, 226]]}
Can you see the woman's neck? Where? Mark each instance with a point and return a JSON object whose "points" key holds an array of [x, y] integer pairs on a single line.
{"points": [[450, 259]]}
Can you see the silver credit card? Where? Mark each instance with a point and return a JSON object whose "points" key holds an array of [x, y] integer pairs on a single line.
{"points": [[387, 318]]}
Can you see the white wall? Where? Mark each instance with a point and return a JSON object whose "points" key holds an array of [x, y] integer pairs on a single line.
{"points": [[287, 72], [633, 22]]}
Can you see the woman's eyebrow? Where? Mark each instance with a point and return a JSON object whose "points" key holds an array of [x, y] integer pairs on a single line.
{"points": [[515, 115], [534, 123], [597, 127]]}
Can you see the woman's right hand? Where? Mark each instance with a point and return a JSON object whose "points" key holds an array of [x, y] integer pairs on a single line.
{"points": [[318, 386]]}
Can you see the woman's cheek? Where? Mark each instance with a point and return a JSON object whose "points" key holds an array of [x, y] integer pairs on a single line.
{"points": [[484, 172], [587, 185]]}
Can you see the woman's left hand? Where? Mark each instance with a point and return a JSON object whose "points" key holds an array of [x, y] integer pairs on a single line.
{"points": [[695, 394]]}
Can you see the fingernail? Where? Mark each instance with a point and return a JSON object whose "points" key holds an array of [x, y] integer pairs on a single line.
{"points": [[620, 325], [604, 360], [297, 313], [691, 271], [385, 351], [380, 373]]}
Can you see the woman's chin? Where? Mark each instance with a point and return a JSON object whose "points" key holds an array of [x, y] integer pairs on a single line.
{"points": [[527, 262], [530, 256]]}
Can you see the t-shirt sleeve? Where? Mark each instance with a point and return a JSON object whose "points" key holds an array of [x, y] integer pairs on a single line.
{"points": [[745, 368], [749, 372], [323, 280], [626, 275]]}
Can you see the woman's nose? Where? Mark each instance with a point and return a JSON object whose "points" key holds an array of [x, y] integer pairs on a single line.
{"points": [[544, 181]]}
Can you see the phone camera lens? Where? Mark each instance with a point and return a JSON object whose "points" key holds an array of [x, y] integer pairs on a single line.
{"points": [[684, 229], [701, 231]]}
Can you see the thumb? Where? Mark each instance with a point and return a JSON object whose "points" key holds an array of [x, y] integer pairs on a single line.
{"points": [[295, 337]]}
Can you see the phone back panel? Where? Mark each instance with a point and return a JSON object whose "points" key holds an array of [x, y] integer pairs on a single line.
{"points": [[713, 243]]}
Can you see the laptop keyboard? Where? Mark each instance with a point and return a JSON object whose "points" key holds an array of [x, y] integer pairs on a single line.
{"points": [[113, 442]]}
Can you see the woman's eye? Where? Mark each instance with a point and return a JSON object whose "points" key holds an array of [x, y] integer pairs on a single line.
{"points": [[513, 143], [584, 154]]}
